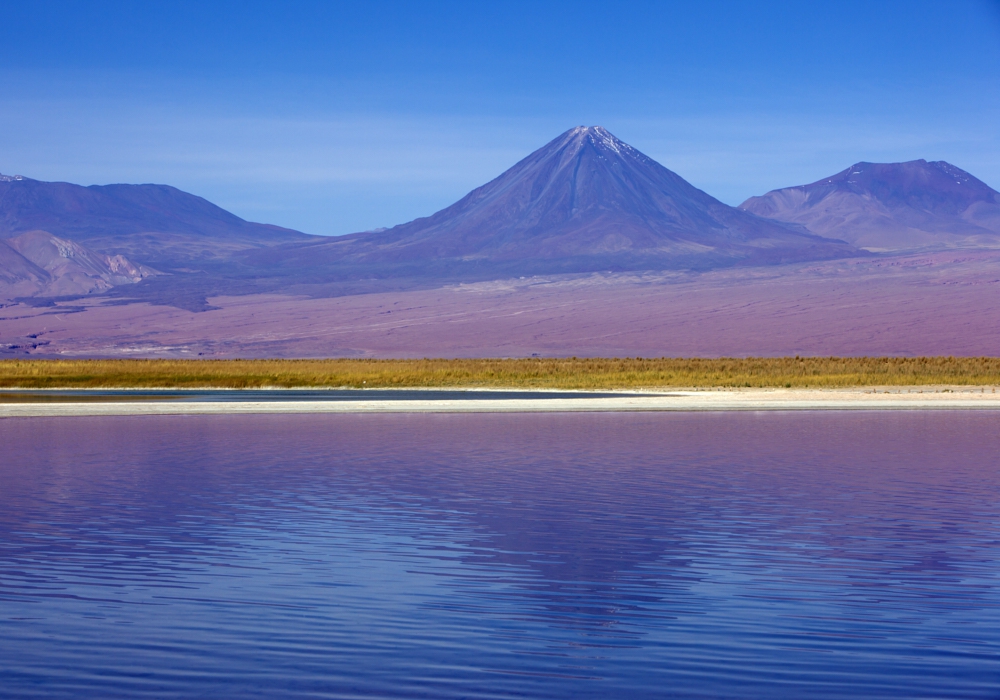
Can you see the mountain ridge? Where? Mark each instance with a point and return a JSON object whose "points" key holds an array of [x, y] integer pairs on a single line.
{"points": [[891, 206], [159, 225]]}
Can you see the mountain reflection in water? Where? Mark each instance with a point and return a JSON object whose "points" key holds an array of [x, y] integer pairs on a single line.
{"points": [[540, 555]]}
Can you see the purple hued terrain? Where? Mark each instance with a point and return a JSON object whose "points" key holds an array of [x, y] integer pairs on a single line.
{"points": [[585, 247], [940, 303]]}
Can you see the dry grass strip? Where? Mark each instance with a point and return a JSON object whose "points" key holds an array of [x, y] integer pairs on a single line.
{"points": [[540, 373]]}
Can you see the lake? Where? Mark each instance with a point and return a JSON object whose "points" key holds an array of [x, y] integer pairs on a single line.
{"points": [[692, 555]]}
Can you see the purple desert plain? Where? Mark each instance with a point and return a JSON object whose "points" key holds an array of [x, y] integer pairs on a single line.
{"points": [[585, 247]]}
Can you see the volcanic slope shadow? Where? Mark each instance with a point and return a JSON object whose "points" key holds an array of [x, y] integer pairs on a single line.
{"points": [[585, 202], [892, 207]]}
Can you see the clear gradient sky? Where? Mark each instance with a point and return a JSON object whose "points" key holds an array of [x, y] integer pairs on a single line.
{"points": [[338, 117]]}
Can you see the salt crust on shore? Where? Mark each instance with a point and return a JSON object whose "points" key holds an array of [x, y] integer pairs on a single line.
{"points": [[935, 398]]}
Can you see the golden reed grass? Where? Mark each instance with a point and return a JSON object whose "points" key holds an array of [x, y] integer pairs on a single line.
{"points": [[562, 373]]}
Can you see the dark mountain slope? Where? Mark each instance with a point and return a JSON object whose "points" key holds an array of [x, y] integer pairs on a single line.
{"points": [[892, 206]]}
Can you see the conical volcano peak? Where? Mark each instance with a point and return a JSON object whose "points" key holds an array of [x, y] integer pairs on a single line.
{"points": [[592, 132], [601, 139]]}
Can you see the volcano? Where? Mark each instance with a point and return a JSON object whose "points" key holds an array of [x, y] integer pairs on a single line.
{"points": [[584, 202], [892, 207]]}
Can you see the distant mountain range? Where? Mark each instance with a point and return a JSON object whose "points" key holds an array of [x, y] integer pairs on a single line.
{"points": [[585, 202]]}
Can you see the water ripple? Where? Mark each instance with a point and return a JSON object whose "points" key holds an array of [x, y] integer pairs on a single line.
{"points": [[496, 556]]}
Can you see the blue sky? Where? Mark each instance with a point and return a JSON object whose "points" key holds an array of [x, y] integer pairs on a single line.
{"points": [[339, 117]]}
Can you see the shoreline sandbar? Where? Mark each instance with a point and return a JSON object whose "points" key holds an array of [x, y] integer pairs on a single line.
{"points": [[893, 398]]}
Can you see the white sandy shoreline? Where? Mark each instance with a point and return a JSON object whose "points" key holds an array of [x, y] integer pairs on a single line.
{"points": [[923, 398]]}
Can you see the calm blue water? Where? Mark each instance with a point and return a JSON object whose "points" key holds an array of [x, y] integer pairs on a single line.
{"points": [[496, 556]]}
